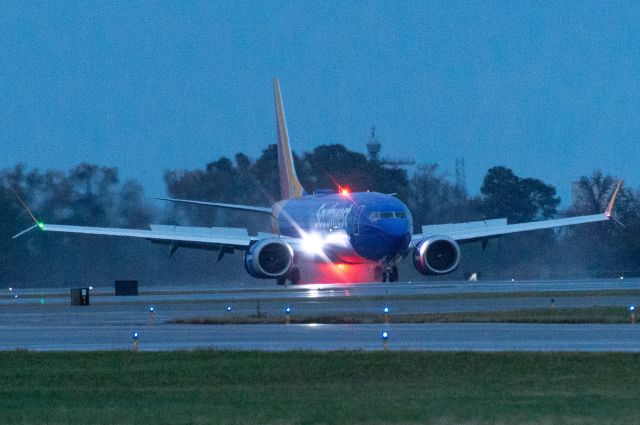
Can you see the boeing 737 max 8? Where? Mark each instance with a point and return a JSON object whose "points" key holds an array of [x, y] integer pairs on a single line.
{"points": [[330, 228]]}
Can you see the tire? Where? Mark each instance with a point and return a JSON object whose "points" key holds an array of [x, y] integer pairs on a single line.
{"points": [[295, 276], [394, 275]]}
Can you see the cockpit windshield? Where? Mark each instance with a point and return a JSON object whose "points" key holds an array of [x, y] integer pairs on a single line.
{"points": [[386, 214]]}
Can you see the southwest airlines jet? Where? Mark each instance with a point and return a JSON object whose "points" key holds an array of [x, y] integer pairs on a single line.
{"points": [[331, 232]]}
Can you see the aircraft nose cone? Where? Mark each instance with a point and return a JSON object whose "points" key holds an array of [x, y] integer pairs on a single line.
{"points": [[395, 236], [386, 239], [395, 227]]}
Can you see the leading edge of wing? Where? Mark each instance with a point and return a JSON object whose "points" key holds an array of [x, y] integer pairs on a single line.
{"points": [[483, 232], [228, 236], [264, 210]]}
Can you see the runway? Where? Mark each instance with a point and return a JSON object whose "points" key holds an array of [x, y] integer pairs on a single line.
{"points": [[438, 337], [44, 320]]}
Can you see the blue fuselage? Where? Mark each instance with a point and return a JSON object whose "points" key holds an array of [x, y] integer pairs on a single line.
{"points": [[353, 228]]}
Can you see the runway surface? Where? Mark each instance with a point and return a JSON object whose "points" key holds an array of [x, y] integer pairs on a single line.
{"points": [[44, 320]]}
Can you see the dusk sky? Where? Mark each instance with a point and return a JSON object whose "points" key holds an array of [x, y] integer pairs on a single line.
{"points": [[549, 89]]}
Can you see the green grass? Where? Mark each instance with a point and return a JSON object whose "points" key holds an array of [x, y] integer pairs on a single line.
{"points": [[329, 388], [546, 315]]}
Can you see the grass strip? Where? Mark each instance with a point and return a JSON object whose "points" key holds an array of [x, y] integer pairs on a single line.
{"points": [[547, 315], [203, 387]]}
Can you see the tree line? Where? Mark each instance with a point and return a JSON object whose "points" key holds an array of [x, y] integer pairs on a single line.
{"points": [[93, 195]]}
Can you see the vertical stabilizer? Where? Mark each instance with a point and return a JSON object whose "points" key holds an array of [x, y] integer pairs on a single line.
{"points": [[290, 186]]}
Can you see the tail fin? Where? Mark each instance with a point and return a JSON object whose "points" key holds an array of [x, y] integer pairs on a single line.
{"points": [[290, 186]]}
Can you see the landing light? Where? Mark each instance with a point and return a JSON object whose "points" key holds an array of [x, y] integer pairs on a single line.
{"points": [[632, 308], [312, 243], [228, 308], [386, 309], [385, 335], [151, 309], [135, 335]]}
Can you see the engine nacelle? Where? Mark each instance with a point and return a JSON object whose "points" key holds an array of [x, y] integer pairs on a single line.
{"points": [[268, 258], [436, 255]]}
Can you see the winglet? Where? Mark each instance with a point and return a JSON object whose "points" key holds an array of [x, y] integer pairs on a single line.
{"points": [[38, 224], [24, 231], [609, 211]]}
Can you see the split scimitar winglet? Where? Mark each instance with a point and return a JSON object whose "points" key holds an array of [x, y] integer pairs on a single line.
{"points": [[38, 224], [609, 211]]}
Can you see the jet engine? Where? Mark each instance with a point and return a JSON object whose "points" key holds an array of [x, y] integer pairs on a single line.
{"points": [[268, 258], [436, 255]]}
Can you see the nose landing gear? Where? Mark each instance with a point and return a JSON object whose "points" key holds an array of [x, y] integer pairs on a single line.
{"points": [[390, 274]]}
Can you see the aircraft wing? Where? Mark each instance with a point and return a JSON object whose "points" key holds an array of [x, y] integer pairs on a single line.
{"points": [[221, 236], [478, 230], [491, 228]]}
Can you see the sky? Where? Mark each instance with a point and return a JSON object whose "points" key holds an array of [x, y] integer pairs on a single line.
{"points": [[548, 89]]}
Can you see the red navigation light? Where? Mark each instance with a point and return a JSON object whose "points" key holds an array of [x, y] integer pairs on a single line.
{"points": [[344, 191]]}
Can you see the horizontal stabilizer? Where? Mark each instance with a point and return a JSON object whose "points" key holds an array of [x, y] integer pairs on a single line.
{"points": [[263, 210]]}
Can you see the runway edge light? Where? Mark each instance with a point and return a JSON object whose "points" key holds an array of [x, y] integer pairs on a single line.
{"points": [[135, 342]]}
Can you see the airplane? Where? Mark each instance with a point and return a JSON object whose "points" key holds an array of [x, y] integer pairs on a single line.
{"points": [[328, 227]]}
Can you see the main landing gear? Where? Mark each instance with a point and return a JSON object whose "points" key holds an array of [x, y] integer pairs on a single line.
{"points": [[390, 274], [293, 276]]}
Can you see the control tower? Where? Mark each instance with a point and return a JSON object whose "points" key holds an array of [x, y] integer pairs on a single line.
{"points": [[373, 148]]}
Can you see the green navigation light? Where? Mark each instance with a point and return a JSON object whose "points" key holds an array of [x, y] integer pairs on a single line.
{"points": [[40, 225]]}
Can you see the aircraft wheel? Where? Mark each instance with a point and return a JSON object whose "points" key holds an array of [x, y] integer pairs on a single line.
{"points": [[394, 275], [294, 276]]}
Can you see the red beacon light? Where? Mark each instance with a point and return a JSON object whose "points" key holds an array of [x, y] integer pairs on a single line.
{"points": [[344, 191]]}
